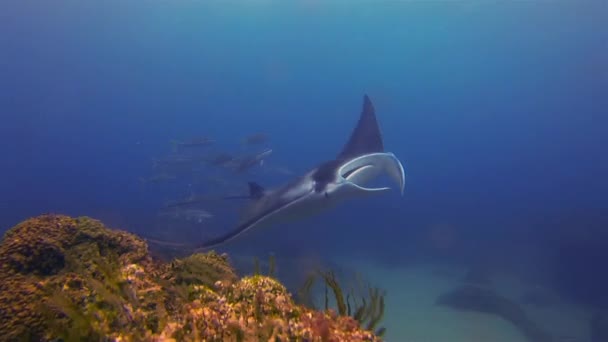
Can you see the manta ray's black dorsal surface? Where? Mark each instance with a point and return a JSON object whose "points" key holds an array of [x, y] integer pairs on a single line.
{"points": [[366, 137]]}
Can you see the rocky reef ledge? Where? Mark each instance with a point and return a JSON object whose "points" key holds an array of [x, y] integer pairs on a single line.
{"points": [[65, 279]]}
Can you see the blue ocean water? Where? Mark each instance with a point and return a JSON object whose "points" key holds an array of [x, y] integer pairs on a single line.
{"points": [[498, 110]]}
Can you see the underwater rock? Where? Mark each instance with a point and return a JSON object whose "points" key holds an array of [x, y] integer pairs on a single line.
{"points": [[599, 327], [65, 278], [475, 298]]}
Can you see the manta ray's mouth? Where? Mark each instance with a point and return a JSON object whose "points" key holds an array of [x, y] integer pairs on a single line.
{"points": [[363, 169], [360, 175], [353, 173]]}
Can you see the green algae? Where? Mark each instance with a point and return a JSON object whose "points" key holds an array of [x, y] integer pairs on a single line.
{"points": [[272, 266], [362, 302]]}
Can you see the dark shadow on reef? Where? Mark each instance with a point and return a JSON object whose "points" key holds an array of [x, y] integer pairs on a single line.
{"points": [[480, 299], [599, 327], [580, 269], [66, 279]]}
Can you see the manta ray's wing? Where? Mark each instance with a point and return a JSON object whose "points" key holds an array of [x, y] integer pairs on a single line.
{"points": [[366, 137]]}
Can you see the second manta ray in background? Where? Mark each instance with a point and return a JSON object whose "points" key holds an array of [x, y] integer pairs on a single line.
{"points": [[361, 160]]}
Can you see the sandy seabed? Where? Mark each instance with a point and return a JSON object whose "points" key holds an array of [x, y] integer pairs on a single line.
{"points": [[412, 316]]}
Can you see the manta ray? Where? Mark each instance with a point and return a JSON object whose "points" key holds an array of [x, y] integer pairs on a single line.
{"points": [[362, 159]]}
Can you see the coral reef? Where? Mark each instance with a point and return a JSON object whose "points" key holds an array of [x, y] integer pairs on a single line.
{"points": [[67, 279], [53, 261]]}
